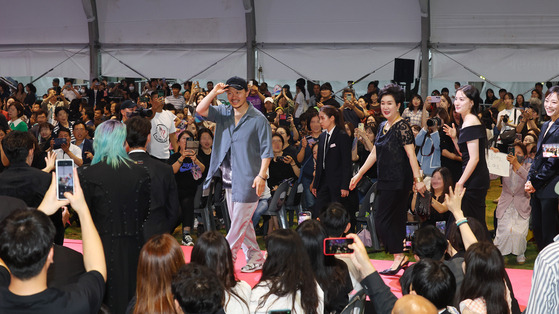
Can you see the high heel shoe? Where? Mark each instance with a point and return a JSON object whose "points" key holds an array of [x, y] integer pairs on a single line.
{"points": [[391, 272]]}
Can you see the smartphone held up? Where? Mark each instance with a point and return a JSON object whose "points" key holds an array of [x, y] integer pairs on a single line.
{"points": [[64, 177]]}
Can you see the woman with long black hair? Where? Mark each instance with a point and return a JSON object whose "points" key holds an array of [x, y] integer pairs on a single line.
{"points": [[212, 250], [471, 142], [331, 273], [287, 280]]}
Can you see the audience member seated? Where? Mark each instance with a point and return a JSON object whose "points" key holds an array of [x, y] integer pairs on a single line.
{"points": [[67, 150], [545, 280], [414, 304], [331, 274], [26, 252], [212, 250], [287, 280], [22, 181], [197, 289], [160, 259], [85, 144], [164, 205], [118, 193], [434, 281]]}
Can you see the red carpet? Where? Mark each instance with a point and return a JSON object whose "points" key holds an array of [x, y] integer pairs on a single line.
{"points": [[521, 279]]}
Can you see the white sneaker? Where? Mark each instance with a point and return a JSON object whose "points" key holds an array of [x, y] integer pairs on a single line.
{"points": [[250, 268], [521, 259]]}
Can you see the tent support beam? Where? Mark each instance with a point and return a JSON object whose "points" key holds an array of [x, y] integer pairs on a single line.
{"points": [[90, 8], [250, 21], [425, 36]]}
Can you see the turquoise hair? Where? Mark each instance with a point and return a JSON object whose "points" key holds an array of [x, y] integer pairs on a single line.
{"points": [[108, 145]]}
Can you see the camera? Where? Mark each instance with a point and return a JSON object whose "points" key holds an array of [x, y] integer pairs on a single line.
{"points": [[505, 118], [434, 122], [142, 112]]}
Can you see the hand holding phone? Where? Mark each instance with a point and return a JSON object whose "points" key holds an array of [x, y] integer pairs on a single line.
{"points": [[333, 246]]}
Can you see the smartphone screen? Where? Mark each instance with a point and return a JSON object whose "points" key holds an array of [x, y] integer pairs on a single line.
{"points": [[282, 116], [361, 126], [160, 93], [279, 312], [436, 99], [337, 246], [511, 150], [441, 225], [304, 215], [348, 97], [64, 177], [193, 145], [410, 231]]}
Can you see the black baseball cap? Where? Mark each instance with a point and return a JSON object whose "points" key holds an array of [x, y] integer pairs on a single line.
{"points": [[128, 104], [237, 83]]}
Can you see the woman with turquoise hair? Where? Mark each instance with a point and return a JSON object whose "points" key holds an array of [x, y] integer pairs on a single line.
{"points": [[117, 192]]}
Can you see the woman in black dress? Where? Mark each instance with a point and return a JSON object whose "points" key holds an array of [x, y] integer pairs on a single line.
{"points": [[471, 143], [398, 169]]}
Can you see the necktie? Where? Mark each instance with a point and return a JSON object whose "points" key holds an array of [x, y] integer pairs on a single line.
{"points": [[325, 150]]}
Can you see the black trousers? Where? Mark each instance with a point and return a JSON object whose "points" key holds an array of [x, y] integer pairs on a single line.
{"points": [[473, 205], [390, 219], [544, 220], [187, 211]]}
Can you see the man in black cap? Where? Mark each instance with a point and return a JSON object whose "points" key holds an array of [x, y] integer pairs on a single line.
{"points": [[126, 109], [528, 121], [326, 97], [244, 165]]}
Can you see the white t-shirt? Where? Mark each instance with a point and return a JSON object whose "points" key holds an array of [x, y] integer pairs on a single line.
{"points": [[70, 95], [300, 99], [76, 150], [162, 125], [232, 302], [275, 303]]}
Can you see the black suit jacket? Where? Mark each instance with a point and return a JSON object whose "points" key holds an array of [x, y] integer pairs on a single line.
{"points": [[93, 98], [164, 208], [87, 147], [544, 172], [336, 172]]}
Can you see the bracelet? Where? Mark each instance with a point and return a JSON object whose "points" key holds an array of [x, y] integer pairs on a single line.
{"points": [[261, 177], [461, 221], [181, 161], [418, 179], [293, 165]]}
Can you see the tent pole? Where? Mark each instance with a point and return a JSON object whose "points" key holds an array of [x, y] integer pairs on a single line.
{"points": [[425, 36], [250, 21], [90, 8]]}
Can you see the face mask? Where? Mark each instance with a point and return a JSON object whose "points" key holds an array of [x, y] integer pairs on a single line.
{"points": [[520, 158], [131, 88]]}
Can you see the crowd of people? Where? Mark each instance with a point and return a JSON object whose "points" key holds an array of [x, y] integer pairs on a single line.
{"points": [[145, 156]]}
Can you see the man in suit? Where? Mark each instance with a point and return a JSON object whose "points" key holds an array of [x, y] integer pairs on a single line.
{"points": [[21, 181], [86, 145], [94, 94], [164, 208], [333, 163], [544, 175]]}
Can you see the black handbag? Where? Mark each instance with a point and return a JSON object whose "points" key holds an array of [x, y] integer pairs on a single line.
{"points": [[423, 204], [364, 185]]}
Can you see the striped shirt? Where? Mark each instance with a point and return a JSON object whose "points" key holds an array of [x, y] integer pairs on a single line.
{"points": [[544, 296]]}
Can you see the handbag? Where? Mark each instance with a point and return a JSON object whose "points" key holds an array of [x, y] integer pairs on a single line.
{"points": [[423, 204], [364, 185], [508, 136]]}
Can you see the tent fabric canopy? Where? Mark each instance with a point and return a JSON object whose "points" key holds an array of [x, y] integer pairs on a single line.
{"points": [[501, 40]]}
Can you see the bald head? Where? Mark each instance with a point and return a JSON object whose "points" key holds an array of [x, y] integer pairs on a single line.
{"points": [[412, 303]]}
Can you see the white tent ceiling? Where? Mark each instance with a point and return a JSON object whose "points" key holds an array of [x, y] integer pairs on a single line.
{"points": [[502, 40]]}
